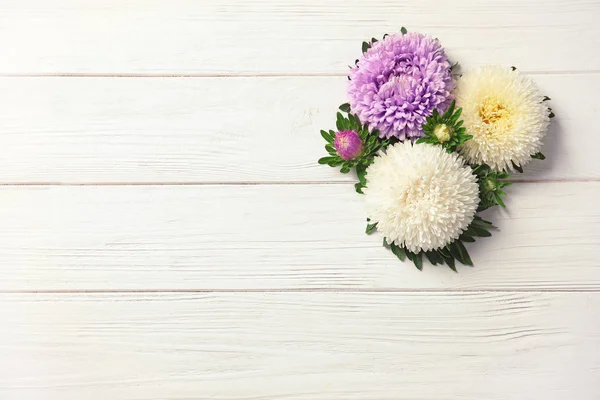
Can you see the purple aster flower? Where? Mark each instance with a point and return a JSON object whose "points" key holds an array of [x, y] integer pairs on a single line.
{"points": [[348, 144], [398, 82]]}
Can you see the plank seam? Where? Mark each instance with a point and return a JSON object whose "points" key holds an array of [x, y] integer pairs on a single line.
{"points": [[299, 290], [230, 75], [249, 183]]}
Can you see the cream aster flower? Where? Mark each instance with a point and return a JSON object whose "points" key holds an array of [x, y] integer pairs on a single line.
{"points": [[420, 196], [504, 112]]}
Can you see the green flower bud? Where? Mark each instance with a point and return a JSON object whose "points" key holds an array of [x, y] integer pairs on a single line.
{"points": [[442, 132]]}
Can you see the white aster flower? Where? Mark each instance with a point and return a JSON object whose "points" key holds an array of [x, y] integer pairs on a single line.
{"points": [[420, 196], [504, 112]]}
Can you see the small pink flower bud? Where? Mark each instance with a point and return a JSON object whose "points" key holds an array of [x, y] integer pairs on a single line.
{"points": [[348, 144]]}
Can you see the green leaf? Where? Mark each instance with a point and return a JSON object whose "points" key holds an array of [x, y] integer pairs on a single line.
{"points": [[499, 201], [345, 169], [517, 167], [330, 149], [434, 258], [398, 251], [417, 259], [340, 122], [361, 172], [327, 137], [464, 254], [444, 252], [479, 231], [365, 46], [450, 261], [373, 40], [466, 239], [454, 251], [327, 160], [403, 30], [455, 117], [463, 139], [478, 228], [450, 110], [371, 141], [483, 223], [371, 228], [538, 156], [345, 107], [350, 121]]}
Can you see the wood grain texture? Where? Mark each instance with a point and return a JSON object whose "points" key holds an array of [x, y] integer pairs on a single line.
{"points": [[276, 236], [328, 346], [300, 37], [223, 130], [291, 299]]}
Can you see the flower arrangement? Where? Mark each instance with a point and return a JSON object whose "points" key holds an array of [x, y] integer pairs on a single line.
{"points": [[431, 150]]}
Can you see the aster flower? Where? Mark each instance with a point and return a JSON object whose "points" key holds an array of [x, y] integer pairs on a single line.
{"points": [[504, 112], [348, 144], [445, 130], [398, 82], [352, 146], [423, 193], [421, 197], [491, 184]]}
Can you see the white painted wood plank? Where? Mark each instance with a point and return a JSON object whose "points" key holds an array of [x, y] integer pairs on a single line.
{"points": [[262, 36], [223, 130], [379, 346], [276, 236]]}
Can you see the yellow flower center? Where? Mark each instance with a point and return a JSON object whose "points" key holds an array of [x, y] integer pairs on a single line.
{"points": [[442, 132], [491, 111], [496, 116]]}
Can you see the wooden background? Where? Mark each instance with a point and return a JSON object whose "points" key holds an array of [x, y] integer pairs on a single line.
{"points": [[166, 233]]}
